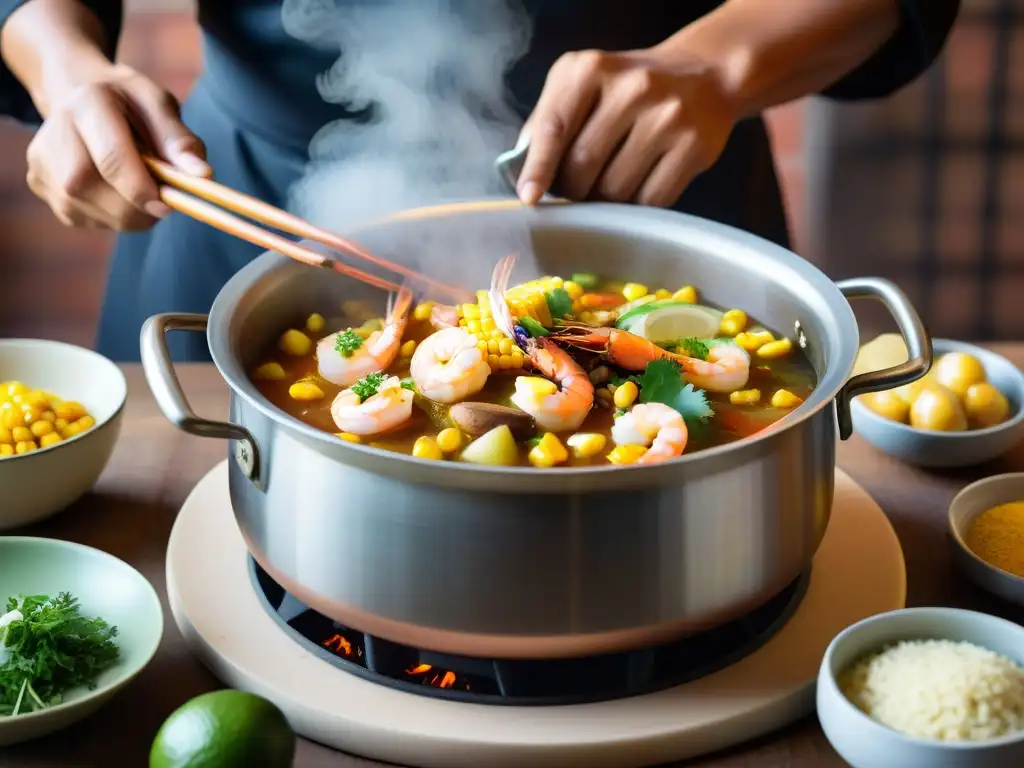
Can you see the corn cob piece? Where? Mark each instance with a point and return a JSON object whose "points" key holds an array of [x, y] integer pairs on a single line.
{"points": [[502, 353]]}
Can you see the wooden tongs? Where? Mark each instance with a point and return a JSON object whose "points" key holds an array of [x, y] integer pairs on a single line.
{"points": [[186, 194]]}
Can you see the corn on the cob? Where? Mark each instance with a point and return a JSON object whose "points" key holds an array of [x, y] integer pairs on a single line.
{"points": [[502, 353]]}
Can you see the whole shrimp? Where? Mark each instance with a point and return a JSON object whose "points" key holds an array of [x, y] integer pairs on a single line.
{"points": [[726, 369], [389, 407], [372, 355], [563, 409], [653, 424], [448, 366]]}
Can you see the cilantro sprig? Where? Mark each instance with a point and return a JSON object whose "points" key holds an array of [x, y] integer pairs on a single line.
{"points": [[662, 382], [347, 342], [50, 648], [367, 386]]}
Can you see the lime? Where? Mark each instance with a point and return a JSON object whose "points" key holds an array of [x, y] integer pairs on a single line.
{"points": [[224, 729], [681, 321]]}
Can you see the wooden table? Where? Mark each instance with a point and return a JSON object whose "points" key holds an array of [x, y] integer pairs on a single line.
{"points": [[155, 466]]}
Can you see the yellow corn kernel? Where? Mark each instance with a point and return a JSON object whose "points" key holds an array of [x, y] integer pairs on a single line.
{"points": [[21, 434], [471, 311], [537, 385], [487, 324], [348, 437], [496, 335], [449, 440], [752, 341], [734, 321], [745, 397], [785, 399], [775, 349], [69, 410], [25, 447], [662, 293], [626, 454], [625, 395], [586, 445], [15, 388], [305, 390], [49, 416], [482, 346], [426, 448], [408, 348], [40, 428], [6, 437], [50, 439], [548, 452], [505, 346], [495, 362], [30, 414], [518, 359], [12, 419], [71, 430], [575, 290], [493, 347], [687, 294], [422, 311], [86, 422], [315, 323], [634, 291], [6, 449], [270, 372], [60, 424], [473, 326], [37, 399], [587, 317], [505, 362], [295, 343]]}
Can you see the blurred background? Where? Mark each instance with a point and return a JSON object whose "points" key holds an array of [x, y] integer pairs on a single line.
{"points": [[926, 188]]}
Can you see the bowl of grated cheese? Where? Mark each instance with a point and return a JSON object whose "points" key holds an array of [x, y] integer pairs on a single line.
{"points": [[925, 688]]}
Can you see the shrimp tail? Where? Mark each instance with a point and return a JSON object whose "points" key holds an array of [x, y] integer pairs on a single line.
{"points": [[499, 285], [399, 304]]}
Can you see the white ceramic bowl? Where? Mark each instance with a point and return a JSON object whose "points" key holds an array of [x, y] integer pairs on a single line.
{"points": [[36, 485], [106, 588], [968, 504], [864, 743], [938, 450]]}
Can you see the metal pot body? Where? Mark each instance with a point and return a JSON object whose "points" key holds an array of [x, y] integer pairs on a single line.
{"points": [[524, 563]]}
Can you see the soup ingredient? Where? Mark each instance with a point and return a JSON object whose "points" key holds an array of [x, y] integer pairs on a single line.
{"points": [[745, 397], [448, 366], [502, 353], [663, 383], [306, 391], [496, 448], [224, 729], [676, 321], [985, 405], [548, 452], [938, 409], [270, 372], [997, 537], [626, 454], [315, 323], [586, 445], [655, 425], [31, 419], [426, 447], [939, 689], [295, 343], [560, 405], [343, 358], [633, 291], [888, 404], [632, 316], [449, 440], [376, 403], [50, 648], [957, 371], [753, 340], [733, 322], [625, 394], [774, 349], [885, 351], [783, 398], [586, 280], [477, 418]]}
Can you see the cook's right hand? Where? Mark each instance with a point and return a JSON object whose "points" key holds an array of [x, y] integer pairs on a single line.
{"points": [[85, 161]]}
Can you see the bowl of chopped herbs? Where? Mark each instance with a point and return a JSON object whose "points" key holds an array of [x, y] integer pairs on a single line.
{"points": [[76, 626]]}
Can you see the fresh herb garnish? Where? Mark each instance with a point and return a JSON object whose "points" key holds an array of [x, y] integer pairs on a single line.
{"points": [[50, 649], [347, 342], [533, 328], [694, 347], [367, 386], [662, 382], [618, 381], [559, 302], [408, 384], [534, 441], [586, 280]]}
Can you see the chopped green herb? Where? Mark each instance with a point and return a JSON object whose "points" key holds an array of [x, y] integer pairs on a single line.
{"points": [[559, 303], [367, 386], [662, 382], [534, 441], [618, 381], [586, 280], [347, 342], [694, 347], [619, 412], [51, 648], [533, 328], [408, 384]]}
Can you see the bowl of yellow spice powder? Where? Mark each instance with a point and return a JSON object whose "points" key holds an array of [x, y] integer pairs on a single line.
{"points": [[986, 526]]}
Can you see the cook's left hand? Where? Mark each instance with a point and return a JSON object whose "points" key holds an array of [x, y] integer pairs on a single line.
{"points": [[633, 126]]}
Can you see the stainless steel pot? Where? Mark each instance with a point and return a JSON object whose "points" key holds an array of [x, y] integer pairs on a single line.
{"points": [[524, 563]]}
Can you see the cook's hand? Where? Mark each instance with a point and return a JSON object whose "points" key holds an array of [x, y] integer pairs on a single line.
{"points": [[634, 126], [85, 162]]}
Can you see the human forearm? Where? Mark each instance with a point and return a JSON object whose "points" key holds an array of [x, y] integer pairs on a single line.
{"points": [[52, 47], [772, 51]]}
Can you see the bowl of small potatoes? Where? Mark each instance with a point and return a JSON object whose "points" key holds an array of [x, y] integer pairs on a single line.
{"points": [[60, 416], [965, 411]]}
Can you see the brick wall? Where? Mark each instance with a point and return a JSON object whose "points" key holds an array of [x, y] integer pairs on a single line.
{"points": [[53, 277]]}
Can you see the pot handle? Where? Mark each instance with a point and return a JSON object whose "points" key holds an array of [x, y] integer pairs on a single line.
{"points": [[915, 335], [163, 382]]}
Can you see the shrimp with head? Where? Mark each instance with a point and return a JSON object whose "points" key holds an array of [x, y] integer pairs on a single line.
{"points": [[655, 425], [726, 368], [374, 404], [345, 357], [561, 401], [448, 366]]}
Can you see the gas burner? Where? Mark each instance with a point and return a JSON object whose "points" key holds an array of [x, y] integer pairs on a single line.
{"points": [[526, 682]]}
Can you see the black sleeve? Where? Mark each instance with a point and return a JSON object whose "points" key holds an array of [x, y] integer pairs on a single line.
{"points": [[14, 99], [923, 31]]}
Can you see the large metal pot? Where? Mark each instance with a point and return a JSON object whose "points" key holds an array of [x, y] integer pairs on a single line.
{"points": [[517, 562]]}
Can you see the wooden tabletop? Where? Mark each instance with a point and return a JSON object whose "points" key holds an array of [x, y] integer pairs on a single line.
{"points": [[155, 466]]}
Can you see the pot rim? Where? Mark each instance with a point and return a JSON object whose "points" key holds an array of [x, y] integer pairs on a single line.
{"points": [[614, 218]]}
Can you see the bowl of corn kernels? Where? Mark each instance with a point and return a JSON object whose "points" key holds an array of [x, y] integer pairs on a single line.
{"points": [[60, 416]]}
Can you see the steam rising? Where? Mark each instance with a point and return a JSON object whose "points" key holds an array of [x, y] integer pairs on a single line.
{"points": [[429, 76]]}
